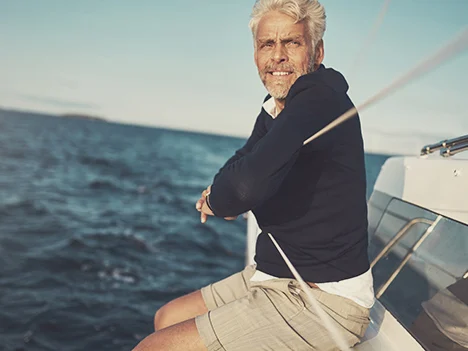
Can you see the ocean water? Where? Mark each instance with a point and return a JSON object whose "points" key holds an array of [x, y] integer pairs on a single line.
{"points": [[98, 228]]}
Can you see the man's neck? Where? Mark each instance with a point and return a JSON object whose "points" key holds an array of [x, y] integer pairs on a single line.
{"points": [[279, 106], [280, 103]]}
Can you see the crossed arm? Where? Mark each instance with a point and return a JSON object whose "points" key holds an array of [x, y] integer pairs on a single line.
{"points": [[249, 180]]}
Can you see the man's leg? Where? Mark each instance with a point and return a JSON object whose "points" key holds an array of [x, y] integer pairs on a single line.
{"points": [[182, 336], [276, 315], [181, 309], [201, 301]]}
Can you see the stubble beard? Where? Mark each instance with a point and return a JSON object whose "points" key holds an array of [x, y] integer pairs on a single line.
{"points": [[279, 89]]}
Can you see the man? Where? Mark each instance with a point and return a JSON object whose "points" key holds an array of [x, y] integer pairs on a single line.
{"points": [[310, 198]]}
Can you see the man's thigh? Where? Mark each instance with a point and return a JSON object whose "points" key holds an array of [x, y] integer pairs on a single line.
{"points": [[229, 289], [204, 300], [179, 310], [257, 321]]}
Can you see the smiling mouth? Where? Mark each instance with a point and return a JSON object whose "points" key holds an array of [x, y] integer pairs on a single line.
{"points": [[280, 73]]}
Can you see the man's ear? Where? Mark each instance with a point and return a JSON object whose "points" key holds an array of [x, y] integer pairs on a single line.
{"points": [[319, 54], [255, 55]]}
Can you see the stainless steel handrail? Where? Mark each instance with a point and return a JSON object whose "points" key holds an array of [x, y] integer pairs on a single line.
{"points": [[398, 236], [453, 150], [405, 260], [444, 144]]}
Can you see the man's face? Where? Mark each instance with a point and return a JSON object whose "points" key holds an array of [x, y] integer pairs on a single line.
{"points": [[283, 52]]}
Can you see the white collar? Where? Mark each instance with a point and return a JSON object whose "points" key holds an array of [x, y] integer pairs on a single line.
{"points": [[270, 107]]}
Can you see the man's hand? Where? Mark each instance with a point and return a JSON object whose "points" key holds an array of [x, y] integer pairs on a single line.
{"points": [[203, 208]]}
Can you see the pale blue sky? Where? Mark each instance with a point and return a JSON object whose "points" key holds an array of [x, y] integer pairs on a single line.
{"points": [[189, 64]]}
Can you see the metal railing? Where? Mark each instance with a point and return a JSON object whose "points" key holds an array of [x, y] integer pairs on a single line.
{"points": [[398, 237], [454, 150], [410, 253], [447, 147]]}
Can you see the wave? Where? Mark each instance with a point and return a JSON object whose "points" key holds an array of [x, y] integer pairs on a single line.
{"points": [[109, 241], [28, 207], [108, 166], [95, 161], [103, 185]]}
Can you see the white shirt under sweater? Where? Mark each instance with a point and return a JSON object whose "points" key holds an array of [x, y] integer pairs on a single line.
{"points": [[359, 289]]}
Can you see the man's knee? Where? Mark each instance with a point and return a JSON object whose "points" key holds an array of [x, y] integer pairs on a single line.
{"points": [[180, 310], [183, 336], [161, 319]]}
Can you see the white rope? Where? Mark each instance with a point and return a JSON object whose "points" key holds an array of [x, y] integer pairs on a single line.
{"points": [[328, 323], [454, 47], [371, 37]]}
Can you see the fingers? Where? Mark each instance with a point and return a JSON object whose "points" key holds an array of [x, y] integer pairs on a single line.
{"points": [[199, 205], [230, 218], [202, 207], [201, 200]]}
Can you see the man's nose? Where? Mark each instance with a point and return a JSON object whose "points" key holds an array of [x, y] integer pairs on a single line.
{"points": [[280, 54]]}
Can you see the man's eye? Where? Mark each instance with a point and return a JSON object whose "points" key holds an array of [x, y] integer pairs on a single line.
{"points": [[294, 43]]}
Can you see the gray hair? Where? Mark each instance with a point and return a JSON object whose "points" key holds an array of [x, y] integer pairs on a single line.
{"points": [[309, 10]]}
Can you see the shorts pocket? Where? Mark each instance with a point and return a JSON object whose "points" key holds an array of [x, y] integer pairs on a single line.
{"points": [[358, 323], [284, 295]]}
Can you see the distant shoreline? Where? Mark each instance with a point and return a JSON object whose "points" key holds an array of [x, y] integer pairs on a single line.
{"points": [[82, 116], [63, 115]]}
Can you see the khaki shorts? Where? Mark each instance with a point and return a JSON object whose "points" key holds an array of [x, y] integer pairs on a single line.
{"points": [[274, 315]]}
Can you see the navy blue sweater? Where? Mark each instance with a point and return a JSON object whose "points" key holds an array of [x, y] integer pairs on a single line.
{"points": [[311, 198]]}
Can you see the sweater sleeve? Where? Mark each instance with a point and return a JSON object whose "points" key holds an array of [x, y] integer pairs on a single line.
{"points": [[259, 130], [250, 180]]}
